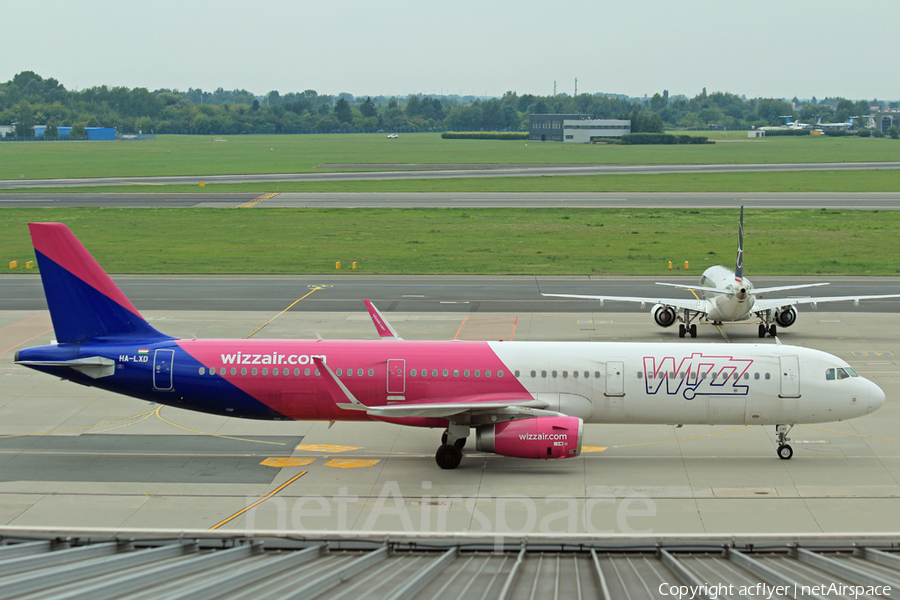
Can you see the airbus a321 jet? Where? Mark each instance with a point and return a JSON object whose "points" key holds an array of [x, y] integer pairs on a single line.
{"points": [[520, 399], [726, 296]]}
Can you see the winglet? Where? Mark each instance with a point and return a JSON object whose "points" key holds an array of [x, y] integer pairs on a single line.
{"points": [[384, 328], [342, 397]]}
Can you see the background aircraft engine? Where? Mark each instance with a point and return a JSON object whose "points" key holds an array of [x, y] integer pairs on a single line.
{"points": [[540, 437], [663, 315], [786, 317]]}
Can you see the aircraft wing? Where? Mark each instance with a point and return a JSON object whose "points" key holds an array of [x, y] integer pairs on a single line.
{"points": [[781, 288], [776, 303], [506, 406], [689, 304]]}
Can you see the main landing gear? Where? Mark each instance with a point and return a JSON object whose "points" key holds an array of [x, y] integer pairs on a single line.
{"points": [[453, 440], [771, 329], [785, 452], [687, 327]]}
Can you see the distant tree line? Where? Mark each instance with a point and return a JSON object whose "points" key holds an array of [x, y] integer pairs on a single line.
{"points": [[29, 99]]}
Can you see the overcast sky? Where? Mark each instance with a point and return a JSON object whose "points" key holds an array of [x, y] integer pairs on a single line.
{"points": [[764, 48]]}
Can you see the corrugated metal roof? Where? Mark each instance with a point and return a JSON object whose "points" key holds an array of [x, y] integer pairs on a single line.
{"points": [[100, 564]]}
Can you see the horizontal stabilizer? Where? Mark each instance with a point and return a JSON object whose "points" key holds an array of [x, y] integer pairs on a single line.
{"points": [[94, 367]]}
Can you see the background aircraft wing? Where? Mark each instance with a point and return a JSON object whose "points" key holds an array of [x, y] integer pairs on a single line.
{"points": [[781, 288], [776, 303], [690, 304]]}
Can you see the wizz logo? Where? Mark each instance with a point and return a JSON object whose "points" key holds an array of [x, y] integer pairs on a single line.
{"points": [[696, 375]]}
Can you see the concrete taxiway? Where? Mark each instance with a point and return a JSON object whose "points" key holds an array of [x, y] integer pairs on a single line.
{"points": [[72, 456]]}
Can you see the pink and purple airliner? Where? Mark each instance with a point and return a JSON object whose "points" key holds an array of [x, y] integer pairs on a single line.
{"points": [[521, 399]]}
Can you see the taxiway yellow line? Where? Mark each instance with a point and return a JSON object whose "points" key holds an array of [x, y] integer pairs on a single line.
{"points": [[255, 331], [260, 501], [216, 435]]}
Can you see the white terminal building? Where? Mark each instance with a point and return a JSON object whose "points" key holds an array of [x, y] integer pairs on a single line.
{"points": [[584, 131]]}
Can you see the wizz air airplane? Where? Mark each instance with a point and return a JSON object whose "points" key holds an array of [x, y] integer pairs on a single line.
{"points": [[522, 399], [726, 296]]}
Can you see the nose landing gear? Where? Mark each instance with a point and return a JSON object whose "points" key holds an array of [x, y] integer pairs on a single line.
{"points": [[785, 452]]}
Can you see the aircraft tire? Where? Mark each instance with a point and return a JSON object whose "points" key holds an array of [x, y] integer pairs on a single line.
{"points": [[681, 330], [785, 452], [773, 330], [762, 330], [448, 457], [694, 330]]}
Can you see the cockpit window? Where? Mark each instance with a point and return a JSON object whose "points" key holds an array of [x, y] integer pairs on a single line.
{"points": [[840, 373]]}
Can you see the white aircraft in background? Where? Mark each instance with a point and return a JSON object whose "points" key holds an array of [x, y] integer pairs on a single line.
{"points": [[727, 296], [845, 125], [795, 124]]}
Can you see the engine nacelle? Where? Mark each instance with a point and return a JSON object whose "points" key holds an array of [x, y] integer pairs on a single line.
{"points": [[786, 317], [540, 437], [663, 315]]}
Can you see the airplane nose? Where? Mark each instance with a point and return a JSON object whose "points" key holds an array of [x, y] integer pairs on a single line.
{"points": [[876, 398]]}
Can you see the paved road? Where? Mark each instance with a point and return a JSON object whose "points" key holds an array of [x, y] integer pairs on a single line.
{"points": [[420, 294], [510, 171], [814, 200]]}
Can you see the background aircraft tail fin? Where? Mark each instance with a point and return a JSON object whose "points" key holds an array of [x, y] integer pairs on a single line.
{"points": [[739, 263], [84, 302]]}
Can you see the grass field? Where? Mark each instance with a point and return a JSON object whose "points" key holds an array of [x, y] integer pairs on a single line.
{"points": [[200, 155], [448, 241]]}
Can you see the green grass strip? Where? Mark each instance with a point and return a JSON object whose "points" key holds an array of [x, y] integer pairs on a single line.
{"points": [[474, 241]]}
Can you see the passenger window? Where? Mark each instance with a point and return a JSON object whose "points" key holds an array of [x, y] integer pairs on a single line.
{"points": [[500, 373], [244, 371], [466, 373], [768, 376], [756, 376], [338, 372], [534, 374], [349, 372], [274, 371], [596, 374], [517, 372], [317, 372], [587, 375], [264, 372], [445, 372], [543, 373], [296, 372], [233, 371], [575, 374], [487, 372], [306, 372], [203, 370], [640, 375], [412, 372], [456, 372], [554, 374], [477, 372], [371, 372], [253, 371], [359, 372], [565, 373]]}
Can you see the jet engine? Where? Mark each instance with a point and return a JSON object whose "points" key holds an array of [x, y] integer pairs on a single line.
{"points": [[539, 437], [663, 315], [786, 317]]}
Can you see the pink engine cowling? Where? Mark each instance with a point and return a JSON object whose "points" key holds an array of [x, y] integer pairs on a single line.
{"points": [[541, 437]]}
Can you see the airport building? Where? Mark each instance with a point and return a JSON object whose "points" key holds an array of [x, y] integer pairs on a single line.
{"points": [[575, 128], [94, 134], [549, 128], [887, 119], [586, 131]]}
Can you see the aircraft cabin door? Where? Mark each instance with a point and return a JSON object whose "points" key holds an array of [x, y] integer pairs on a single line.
{"points": [[396, 376], [790, 377], [162, 369], [615, 378]]}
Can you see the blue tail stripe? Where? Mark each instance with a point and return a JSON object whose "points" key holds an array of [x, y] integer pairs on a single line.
{"points": [[79, 312]]}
